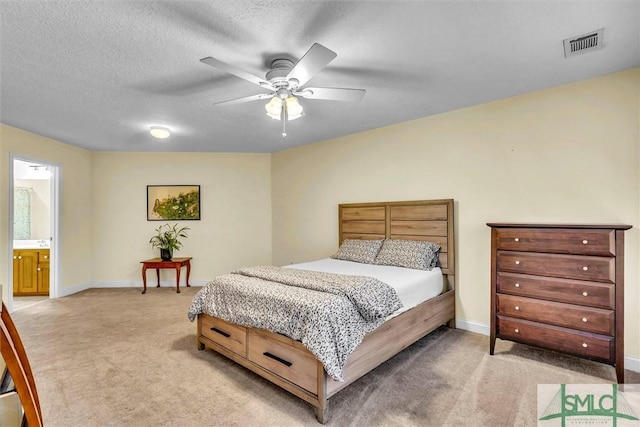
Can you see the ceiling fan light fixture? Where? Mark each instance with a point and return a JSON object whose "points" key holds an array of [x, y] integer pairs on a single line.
{"points": [[293, 107], [274, 108], [160, 132]]}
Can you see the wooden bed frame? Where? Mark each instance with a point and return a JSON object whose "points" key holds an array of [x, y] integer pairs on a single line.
{"points": [[288, 364]]}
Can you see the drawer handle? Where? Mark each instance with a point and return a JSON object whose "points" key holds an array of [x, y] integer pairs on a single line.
{"points": [[585, 294], [15, 257], [516, 239], [278, 359], [584, 319], [517, 285], [39, 269], [584, 242], [585, 345], [517, 331], [517, 307], [585, 268], [46, 256], [19, 256], [517, 262], [223, 333]]}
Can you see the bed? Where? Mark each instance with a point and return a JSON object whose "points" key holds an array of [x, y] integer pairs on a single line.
{"points": [[289, 364]]}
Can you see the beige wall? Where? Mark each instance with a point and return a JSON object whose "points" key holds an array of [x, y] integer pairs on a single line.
{"points": [[75, 189], [104, 231], [235, 225], [568, 154]]}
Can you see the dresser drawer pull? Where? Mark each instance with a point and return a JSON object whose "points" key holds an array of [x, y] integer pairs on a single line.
{"points": [[517, 331], [278, 359], [517, 285], [19, 256], [585, 345], [517, 262], [516, 239], [585, 294], [223, 333], [39, 269], [517, 307], [46, 256], [584, 319], [585, 268], [15, 257], [584, 242]]}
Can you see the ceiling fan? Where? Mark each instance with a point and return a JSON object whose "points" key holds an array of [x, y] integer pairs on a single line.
{"points": [[285, 82]]}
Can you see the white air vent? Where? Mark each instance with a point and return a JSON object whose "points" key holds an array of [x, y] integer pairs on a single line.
{"points": [[584, 43]]}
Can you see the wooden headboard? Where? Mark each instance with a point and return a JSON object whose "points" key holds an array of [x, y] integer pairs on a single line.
{"points": [[430, 220]]}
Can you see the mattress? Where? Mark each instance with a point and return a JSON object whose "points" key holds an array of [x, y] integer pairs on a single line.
{"points": [[412, 286]]}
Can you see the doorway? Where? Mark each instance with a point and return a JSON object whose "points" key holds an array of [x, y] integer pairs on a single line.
{"points": [[33, 226]]}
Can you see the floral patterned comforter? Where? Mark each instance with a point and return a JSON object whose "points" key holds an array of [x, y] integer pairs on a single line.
{"points": [[329, 313]]}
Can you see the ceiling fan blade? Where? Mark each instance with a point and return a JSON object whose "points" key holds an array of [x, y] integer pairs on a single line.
{"points": [[223, 66], [246, 99], [316, 58], [333, 94]]}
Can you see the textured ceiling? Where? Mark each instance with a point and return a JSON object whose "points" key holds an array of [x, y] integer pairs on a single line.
{"points": [[97, 74]]}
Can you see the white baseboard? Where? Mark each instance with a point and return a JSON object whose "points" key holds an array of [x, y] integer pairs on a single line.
{"points": [[631, 363], [105, 285], [73, 290], [476, 327], [150, 284]]}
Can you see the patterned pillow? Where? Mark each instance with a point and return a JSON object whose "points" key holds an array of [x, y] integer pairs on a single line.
{"points": [[364, 251], [409, 253]]}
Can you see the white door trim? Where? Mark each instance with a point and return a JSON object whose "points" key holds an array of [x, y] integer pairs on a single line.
{"points": [[54, 217]]}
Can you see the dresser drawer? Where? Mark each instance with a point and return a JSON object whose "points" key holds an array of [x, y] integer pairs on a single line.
{"points": [[583, 344], [286, 360], [592, 294], [228, 335], [600, 269], [587, 319], [557, 240]]}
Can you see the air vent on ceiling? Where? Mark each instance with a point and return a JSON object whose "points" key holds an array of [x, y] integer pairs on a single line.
{"points": [[584, 43]]}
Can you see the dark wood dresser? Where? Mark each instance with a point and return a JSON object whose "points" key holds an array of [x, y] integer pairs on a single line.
{"points": [[560, 287]]}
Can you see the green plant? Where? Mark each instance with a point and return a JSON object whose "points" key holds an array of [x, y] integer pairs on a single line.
{"points": [[168, 237]]}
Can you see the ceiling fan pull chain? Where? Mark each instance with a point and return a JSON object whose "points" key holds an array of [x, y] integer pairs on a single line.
{"points": [[283, 118]]}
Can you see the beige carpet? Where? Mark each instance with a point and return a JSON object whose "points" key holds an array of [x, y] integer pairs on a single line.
{"points": [[114, 357]]}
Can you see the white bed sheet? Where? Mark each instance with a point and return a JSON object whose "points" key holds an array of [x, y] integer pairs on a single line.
{"points": [[412, 286]]}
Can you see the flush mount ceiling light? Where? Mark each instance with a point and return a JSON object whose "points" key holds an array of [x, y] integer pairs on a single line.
{"points": [[159, 132]]}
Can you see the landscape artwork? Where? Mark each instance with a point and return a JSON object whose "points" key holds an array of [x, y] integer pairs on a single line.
{"points": [[173, 202]]}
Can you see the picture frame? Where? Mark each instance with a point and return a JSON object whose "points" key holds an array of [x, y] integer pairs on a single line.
{"points": [[173, 202]]}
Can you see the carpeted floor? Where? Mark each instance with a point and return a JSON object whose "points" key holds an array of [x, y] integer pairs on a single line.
{"points": [[114, 357], [22, 302]]}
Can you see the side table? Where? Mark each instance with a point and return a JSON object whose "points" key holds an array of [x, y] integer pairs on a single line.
{"points": [[158, 263]]}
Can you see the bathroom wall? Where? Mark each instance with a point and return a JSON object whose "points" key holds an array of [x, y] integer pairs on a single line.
{"points": [[40, 206]]}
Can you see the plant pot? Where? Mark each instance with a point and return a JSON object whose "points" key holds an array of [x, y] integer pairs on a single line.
{"points": [[166, 254]]}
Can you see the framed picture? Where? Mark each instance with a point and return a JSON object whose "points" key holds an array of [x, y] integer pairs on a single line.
{"points": [[173, 202]]}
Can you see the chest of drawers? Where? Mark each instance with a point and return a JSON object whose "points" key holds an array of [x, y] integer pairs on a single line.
{"points": [[561, 287]]}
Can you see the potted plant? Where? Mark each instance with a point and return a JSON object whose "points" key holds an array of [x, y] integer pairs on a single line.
{"points": [[167, 238]]}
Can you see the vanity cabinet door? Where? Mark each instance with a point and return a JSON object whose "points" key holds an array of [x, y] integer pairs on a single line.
{"points": [[25, 271]]}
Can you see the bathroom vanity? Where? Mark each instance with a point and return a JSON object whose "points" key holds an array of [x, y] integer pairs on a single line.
{"points": [[30, 268]]}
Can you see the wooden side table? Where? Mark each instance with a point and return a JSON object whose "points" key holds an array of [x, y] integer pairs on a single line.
{"points": [[158, 263]]}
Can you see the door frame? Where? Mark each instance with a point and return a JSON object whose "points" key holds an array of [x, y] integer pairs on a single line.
{"points": [[54, 223]]}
